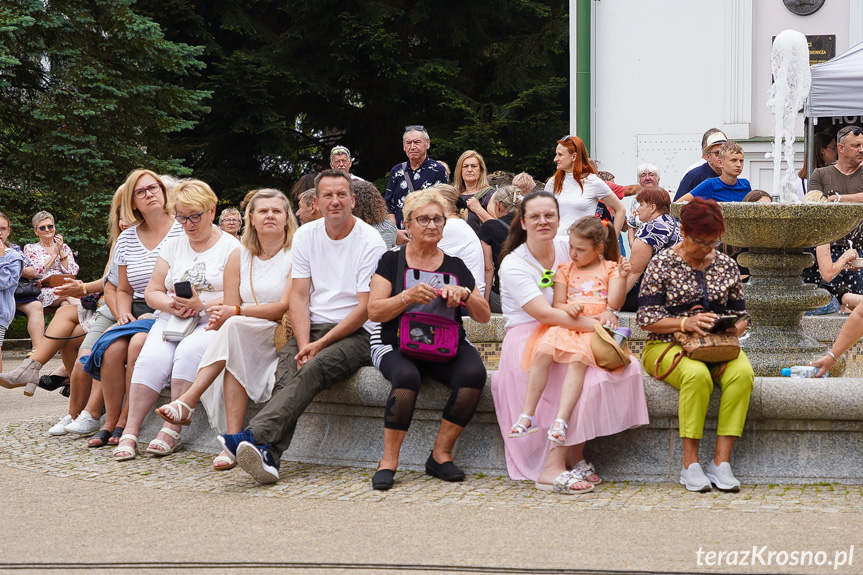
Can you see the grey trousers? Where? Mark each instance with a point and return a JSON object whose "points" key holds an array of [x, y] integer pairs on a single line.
{"points": [[294, 390]]}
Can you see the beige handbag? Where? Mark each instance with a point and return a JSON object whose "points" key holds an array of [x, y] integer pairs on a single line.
{"points": [[606, 352]]}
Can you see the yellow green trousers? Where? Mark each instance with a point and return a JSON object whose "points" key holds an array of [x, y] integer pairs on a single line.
{"points": [[695, 383]]}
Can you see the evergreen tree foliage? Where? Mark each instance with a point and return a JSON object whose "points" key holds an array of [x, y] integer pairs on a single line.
{"points": [[89, 90]]}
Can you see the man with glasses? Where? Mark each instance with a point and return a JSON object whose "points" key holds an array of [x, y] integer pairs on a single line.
{"points": [[341, 160], [333, 262], [711, 168], [418, 173], [843, 181]]}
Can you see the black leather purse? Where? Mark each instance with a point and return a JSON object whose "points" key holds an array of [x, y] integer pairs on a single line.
{"points": [[27, 288]]}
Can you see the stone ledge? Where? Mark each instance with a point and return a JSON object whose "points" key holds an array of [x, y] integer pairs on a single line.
{"points": [[798, 431]]}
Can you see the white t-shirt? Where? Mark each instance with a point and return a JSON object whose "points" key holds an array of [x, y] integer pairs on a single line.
{"points": [[519, 281], [460, 241], [139, 261], [575, 203], [339, 269], [205, 270]]}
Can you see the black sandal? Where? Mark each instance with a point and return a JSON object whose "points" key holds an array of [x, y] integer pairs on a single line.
{"points": [[118, 433], [104, 435]]}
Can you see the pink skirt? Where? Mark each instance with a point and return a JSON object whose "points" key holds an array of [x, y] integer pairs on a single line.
{"points": [[610, 402]]}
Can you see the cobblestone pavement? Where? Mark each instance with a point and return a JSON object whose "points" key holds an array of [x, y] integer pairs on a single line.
{"points": [[26, 446]]}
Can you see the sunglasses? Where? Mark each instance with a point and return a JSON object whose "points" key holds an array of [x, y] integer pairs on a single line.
{"points": [[848, 130], [416, 127], [47, 228], [546, 280]]}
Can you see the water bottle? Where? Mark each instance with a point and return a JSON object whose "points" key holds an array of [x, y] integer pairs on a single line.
{"points": [[800, 371]]}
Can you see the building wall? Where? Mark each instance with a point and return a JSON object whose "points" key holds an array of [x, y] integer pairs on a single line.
{"points": [[658, 85]]}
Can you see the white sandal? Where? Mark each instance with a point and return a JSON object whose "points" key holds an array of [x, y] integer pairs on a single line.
{"points": [[130, 450], [225, 459], [175, 413], [558, 428], [521, 430], [166, 449]]}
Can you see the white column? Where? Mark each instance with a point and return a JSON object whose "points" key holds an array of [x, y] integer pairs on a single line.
{"points": [[738, 68], [855, 21]]}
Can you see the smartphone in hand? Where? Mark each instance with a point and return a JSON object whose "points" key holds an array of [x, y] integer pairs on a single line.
{"points": [[724, 323], [183, 289]]}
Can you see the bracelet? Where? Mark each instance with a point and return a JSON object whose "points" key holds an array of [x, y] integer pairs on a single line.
{"points": [[242, 310], [468, 295], [203, 309], [238, 309], [683, 324], [830, 353], [403, 298], [84, 288]]}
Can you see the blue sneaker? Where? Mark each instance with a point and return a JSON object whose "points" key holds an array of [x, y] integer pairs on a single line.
{"points": [[258, 462], [230, 441]]}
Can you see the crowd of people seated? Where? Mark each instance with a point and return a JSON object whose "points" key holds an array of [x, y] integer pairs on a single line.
{"points": [[291, 294]]}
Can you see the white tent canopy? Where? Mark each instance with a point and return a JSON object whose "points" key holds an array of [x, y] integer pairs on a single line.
{"points": [[837, 86]]}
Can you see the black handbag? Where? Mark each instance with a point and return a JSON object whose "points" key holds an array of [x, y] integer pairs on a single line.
{"points": [[27, 288]]}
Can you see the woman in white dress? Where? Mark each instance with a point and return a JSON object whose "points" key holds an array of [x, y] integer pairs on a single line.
{"points": [[240, 363]]}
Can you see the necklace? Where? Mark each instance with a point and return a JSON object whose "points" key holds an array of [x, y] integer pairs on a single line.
{"points": [[206, 245]]}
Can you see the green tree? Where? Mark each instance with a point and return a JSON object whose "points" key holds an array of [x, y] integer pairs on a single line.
{"points": [[89, 90], [292, 78]]}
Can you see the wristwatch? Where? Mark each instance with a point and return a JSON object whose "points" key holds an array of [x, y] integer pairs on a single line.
{"points": [[203, 309]]}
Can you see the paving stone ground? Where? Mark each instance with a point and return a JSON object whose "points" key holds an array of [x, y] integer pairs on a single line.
{"points": [[27, 447]]}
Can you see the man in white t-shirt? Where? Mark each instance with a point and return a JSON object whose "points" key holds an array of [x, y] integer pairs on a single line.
{"points": [[333, 262]]}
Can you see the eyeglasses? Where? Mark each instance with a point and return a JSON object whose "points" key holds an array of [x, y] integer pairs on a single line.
{"points": [[47, 228], [424, 221], [3, 230], [416, 127], [704, 243], [535, 218], [194, 218], [546, 279], [151, 189], [228, 221], [855, 130]]}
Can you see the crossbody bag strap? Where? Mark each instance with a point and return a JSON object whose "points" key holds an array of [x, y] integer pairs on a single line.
{"points": [[408, 182], [251, 283], [400, 269]]}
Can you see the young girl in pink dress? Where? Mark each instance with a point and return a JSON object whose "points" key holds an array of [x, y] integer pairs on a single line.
{"points": [[594, 281]]}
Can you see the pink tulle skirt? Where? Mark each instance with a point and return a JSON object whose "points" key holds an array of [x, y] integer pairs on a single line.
{"points": [[610, 402]]}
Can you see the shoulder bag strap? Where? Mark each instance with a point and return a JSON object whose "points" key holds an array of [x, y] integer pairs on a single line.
{"points": [[482, 193], [408, 181], [674, 363], [400, 270]]}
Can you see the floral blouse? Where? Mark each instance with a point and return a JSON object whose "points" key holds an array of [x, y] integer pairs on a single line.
{"points": [[670, 288], [38, 257]]}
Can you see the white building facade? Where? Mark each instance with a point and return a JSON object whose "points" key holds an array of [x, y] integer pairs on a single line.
{"points": [[664, 71]]}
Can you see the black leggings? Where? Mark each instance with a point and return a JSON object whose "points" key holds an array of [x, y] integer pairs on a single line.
{"points": [[465, 376]]}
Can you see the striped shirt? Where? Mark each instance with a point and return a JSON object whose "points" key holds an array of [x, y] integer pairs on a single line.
{"points": [[140, 261]]}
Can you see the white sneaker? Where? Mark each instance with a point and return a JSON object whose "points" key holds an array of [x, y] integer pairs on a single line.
{"points": [[694, 479], [60, 427], [84, 425], [722, 477]]}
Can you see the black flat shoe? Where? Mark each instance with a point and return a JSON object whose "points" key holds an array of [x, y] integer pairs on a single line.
{"points": [[383, 479], [446, 471]]}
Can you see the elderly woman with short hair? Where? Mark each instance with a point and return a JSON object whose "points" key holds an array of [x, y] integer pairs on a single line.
{"points": [[50, 256], [199, 257], [686, 289], [231, 221], [659, 230], [648, 177], [438, 284]]}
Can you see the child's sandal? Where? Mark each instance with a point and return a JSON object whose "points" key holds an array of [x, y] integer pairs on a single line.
{"points": [[520, 430], [557, 432]]}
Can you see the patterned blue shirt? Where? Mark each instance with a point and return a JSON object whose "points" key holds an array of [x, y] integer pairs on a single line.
{"points": [[427, 175], [660, 233]]}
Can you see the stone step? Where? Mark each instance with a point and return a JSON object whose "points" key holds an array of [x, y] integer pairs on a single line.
{"points": [[797, 431]]}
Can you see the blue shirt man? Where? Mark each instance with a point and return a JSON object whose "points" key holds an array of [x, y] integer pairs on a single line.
{"points": [[728, 187]]}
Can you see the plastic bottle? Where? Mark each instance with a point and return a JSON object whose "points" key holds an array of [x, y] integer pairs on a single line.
{"points": [[800, 371], [621, 334]]}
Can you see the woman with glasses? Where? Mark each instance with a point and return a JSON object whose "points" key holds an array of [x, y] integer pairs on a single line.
{"points": [[50, 256], [231, 221], [459, 240], [577, 187], [471, 182], [611, 402], [686, 289], [420, 277], [199, 258]]}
